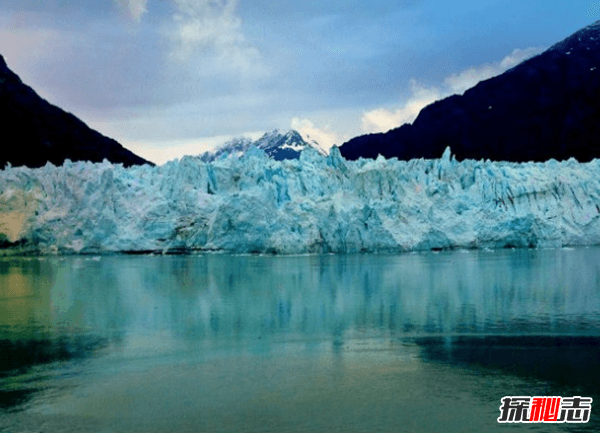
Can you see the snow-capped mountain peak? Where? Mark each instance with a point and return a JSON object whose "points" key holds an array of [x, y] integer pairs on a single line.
{"points": [[276, 144]]}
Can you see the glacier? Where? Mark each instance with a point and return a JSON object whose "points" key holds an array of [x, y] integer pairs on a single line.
{"points": [[315, 204]]}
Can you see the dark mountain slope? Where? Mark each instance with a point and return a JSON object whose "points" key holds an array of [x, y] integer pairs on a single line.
{"points": [[35, 131], [546, 107]]}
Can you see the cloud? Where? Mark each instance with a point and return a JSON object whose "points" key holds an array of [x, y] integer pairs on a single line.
{"points": [[213, 28], [383, 119], [458, 83], [209, 27], [134, 8], [324, 136]]}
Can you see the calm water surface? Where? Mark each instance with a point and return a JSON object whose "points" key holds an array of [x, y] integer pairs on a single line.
{"points": [[367, 343]]}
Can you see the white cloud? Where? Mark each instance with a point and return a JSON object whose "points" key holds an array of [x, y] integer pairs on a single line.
{"points": [[213, 28], [134, 8], [209, 27], [324, 136], [383, 119], [458, 83]]}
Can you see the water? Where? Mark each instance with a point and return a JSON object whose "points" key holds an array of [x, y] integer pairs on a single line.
{"points": [[366, 343]]}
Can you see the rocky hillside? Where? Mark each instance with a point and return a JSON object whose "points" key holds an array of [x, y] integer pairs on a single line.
{"points": [[546, 107], [35, 131]]}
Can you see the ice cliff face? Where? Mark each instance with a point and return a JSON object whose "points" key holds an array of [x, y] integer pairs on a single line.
{"points": [[315, 204]]}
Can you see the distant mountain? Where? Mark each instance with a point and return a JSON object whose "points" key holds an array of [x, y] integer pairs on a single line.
{"points": [[35, 131], [276, 144], [546, 107]]}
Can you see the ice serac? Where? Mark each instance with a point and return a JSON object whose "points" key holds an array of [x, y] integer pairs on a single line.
{"points": [[275, 144], [35, 131], [314, 204], [546, 107]]}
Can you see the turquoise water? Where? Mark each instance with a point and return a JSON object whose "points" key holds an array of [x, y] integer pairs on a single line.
{"points": [[368, 343]]}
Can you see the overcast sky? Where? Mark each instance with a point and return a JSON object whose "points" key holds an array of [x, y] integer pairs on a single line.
{"points": [[173, 77]]}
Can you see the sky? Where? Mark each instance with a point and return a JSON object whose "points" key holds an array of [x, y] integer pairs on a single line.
{"points": [[167, 78]]}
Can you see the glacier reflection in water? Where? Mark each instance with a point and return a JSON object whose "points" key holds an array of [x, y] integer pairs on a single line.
{"points": [[305, 343]]}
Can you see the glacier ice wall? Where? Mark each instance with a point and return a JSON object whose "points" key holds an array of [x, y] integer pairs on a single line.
{"points": [[315, 204]]}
